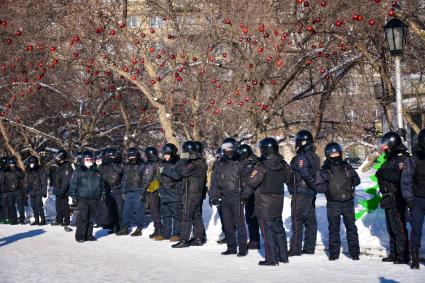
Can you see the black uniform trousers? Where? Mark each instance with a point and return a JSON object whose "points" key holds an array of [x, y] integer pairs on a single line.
{"points": [[37, 205], [14, 199], [191, 216], [62, 210], [115, 204], [154, 209], [274, 235], [251, 220], [334, 211], [303, 217], [86, 218], [396, 227], [416, 221], [234, 221]]}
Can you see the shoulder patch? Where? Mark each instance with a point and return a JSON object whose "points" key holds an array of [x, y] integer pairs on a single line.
{"points": [[301, 163], [254, 173]]}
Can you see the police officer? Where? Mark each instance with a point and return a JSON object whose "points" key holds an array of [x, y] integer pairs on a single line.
{"points": [[36, 187], [226, 190], [200, 149], [151, 174], [413, 190], [248, 160], [86, 189], [337, 179], [171, 193], [4, 213], [112, 173], [305, 164], [103, 218], [192, 170], [267, 180], [218, 158], [132, 193], [389, 181], [13, 177], [62, 178]]}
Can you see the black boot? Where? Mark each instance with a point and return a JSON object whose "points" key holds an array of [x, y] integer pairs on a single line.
{"points": [[36, 221], [333, 257], [56, 223], [222, 241], [229, 252], [268, 263], [42, 220], [197, 242], [242, 253], [181, 244], [137, 232], [294, 253], [253, 245], [91, 238], [415, 259], [22, 222], [155, 233], [389, 258], [124, 231]]}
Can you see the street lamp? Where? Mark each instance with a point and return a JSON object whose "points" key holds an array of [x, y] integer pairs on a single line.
{"points": [[396, 33]]}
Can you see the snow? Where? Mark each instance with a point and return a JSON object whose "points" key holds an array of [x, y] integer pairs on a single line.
{"points": [[49, 254]]}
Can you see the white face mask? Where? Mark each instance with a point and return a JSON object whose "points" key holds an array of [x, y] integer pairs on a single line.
{"points": [[32, 165], [88, 164], [99, 162]]}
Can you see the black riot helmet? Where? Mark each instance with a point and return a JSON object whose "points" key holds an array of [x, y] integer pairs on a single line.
{"points": [[421, 138], [151, 153], [302, 139], [112, 155], [98, 155], [199, 147], [87, 156], [61, 156], [231, 141], [244, 152], [78, 158], [170, 149], [268, 147], [332, 148], [133, 154], [390, 141], [189, 147], [11, 162], [3, 162], [33, 160]]}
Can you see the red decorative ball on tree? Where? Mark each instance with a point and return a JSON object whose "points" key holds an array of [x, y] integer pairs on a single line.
{"points": [[371, 22], [339, 23], [18, 33], [323, 3]]}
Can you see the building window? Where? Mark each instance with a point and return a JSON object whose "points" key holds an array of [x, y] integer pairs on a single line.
{"points": [[133, 21], [156, 22]]}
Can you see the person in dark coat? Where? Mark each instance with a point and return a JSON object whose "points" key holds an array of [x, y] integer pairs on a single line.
{"points": [[86, 189], [133, 194], [389, 181], [413, 191], [62, 178], [337, 179], [16, 196], [36, 187], [248, 160], [191, 169], [4, 213], [226, 189], [171, 194], [151, 187], [112, 172], [303, 209], [267, 180], [218, 158], [103, 217]]}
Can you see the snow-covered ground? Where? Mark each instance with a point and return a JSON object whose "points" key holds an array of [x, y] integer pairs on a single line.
{"points": [[49, 254]]}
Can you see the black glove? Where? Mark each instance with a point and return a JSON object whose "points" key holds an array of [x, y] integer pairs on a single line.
{"points": [[215, 201], [44, 195], [411, 204], [244, 198]]}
